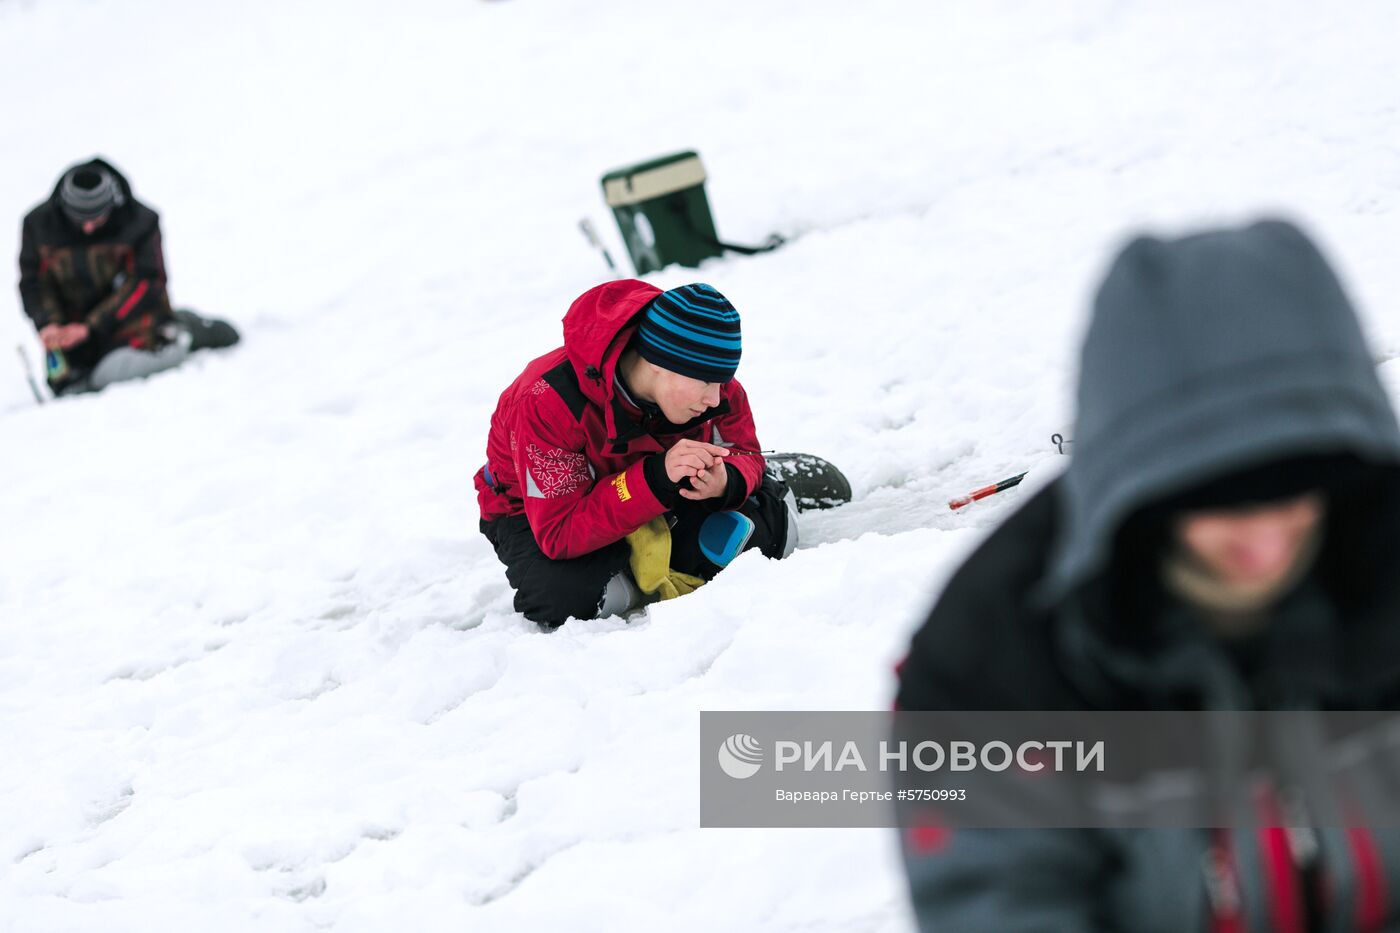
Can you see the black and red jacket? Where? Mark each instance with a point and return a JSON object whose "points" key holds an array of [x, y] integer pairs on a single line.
{"points": [[582, 462], [1228, 356], [113, 280], [987, 645]]}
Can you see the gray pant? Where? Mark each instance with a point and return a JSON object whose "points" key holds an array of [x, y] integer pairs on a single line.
{"points": [[126, 363]]}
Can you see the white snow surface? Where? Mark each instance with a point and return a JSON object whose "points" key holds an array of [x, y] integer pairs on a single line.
{"points": [[258, 668]]}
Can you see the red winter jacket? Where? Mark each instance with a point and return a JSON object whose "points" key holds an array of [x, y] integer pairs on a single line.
{"points": [[584, 465]]}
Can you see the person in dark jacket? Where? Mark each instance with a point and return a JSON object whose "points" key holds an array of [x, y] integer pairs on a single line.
{"points": [[92, 280], [624, 466], [1224, 538]]}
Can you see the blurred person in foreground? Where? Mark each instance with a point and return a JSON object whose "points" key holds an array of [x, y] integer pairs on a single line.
{"points": [[92, 280], [624, 467], [1224, 538]]}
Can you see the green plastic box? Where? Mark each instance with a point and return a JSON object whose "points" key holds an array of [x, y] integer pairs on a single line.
{"points": [[662, 212]]}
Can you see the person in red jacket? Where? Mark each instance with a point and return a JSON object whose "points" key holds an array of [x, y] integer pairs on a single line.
{"points": [[636, 417]]}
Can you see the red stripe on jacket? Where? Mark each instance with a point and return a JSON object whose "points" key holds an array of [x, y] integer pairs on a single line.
{"points": [[137, 294], [1280, 873], [1370, 880]]}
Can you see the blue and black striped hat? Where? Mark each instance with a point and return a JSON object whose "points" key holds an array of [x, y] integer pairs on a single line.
{"points": [[692, 330]]}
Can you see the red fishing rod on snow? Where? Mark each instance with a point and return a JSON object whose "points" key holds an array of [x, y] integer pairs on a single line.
{"points": [[1060, 442], [986, 491]]}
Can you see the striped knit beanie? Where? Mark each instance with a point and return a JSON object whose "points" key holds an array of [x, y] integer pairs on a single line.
{"points": [[692, 330], [89, 192]]}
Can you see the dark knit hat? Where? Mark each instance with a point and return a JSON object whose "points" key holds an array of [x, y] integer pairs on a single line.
{"points": [[89, 192], [692, 330], [1268, 483]]}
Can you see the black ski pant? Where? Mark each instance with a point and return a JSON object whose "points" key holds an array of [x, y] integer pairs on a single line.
{"points": [[549, 591]]}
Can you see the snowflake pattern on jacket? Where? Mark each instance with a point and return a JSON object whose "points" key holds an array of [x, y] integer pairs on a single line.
{"points": [[558, 472]]}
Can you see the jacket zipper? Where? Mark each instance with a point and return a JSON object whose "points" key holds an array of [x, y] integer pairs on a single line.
{"points": [[1306, 851], [1222, 886]]}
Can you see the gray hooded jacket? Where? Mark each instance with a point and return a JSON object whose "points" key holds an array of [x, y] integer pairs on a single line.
{"points": [[1206, 356]]}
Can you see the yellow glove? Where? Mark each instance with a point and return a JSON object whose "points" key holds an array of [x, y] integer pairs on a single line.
{"points": [[651, 562]]}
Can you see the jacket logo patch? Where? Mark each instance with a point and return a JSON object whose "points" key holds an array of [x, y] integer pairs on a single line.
{"points": [[556, 472], [539, 388], [620, 484]]}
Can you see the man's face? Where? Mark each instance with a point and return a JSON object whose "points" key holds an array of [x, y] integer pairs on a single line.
{"points": [[1253, 547], [682, 398]]}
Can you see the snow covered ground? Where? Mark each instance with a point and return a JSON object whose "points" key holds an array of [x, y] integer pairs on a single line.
{"points": [[258, 670]]}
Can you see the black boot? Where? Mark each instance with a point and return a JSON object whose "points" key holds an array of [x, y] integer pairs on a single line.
{"points": [[816, 483], [206, 333]]}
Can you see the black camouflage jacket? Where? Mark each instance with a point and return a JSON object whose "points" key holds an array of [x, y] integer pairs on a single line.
{"points": [[113, 280]]}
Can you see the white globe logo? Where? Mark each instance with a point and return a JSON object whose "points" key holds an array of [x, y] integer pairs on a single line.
{"points": [[741, 756]]}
